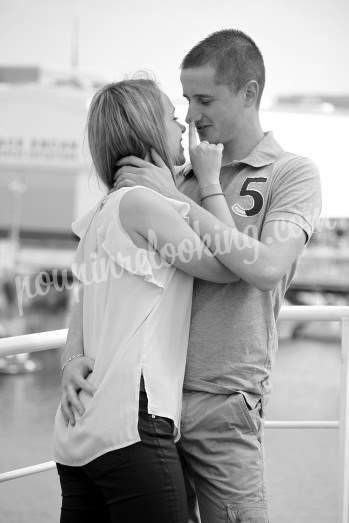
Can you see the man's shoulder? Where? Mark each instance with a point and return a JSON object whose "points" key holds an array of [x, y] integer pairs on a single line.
{"points": [[290, 167], [288, 161]]}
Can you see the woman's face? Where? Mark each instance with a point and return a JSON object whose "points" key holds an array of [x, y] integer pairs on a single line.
{"points": [[174, 132]]}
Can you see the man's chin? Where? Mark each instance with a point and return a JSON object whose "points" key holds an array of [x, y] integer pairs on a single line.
{"points": [[208, 135]]}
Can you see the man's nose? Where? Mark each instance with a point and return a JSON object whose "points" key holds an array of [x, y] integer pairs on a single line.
{"points": [[192, 115]]}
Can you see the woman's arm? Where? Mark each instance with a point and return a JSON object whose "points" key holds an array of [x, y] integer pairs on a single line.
{"points": [[260, 263], [151, 216], [74, 344]]}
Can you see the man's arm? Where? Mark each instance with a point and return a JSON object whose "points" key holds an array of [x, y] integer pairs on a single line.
{"points": [[76, 369], [206, 160]]}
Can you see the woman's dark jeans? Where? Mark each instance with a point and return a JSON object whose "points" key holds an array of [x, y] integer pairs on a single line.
{"points": [[141, 483]]}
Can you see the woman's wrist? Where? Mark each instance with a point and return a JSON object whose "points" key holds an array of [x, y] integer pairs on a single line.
{"points": [[73, 357]]}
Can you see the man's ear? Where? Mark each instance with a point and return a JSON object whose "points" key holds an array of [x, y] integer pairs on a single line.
{"points": [[251, 92]]}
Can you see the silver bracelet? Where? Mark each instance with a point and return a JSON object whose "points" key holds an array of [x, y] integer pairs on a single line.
{"points": [[80, 355]]}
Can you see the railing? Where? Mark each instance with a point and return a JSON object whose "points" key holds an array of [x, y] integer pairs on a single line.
{"points": [[56, 339]]}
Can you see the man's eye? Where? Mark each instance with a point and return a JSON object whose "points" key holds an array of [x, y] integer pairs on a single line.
{"points": [[175, 118], [205, 102]]}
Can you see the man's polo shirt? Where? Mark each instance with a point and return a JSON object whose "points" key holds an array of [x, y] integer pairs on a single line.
{"points": [[233, 337]]}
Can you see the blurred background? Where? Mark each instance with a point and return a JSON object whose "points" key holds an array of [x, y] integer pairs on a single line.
{"points": [[53, 57]]}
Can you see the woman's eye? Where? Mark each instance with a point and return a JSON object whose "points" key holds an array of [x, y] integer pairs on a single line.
{"points": [[175, 118]]}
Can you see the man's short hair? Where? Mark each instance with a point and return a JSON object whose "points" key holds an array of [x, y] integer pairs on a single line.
{"points": [[235, 57]]}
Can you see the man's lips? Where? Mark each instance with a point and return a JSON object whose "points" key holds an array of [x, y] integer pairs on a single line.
{"points": [[202, 127]]}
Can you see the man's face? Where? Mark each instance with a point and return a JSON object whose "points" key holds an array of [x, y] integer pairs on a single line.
{"points": [[217, 111]]}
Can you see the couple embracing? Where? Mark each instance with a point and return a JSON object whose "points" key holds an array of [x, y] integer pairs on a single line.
{"points": [[166, 370]]}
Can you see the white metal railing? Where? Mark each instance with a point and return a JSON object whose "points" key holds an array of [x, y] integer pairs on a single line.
{"points": [[56, 339]]}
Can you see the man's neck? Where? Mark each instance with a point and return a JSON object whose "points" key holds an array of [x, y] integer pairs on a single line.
{"points": [[240, 147]]}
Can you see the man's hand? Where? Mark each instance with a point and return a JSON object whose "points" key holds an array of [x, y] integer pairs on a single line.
{"points": [[206, 158], [73, 381], [135, 171]]}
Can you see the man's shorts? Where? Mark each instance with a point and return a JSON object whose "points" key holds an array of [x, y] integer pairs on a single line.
{"points": [[221, 449]]}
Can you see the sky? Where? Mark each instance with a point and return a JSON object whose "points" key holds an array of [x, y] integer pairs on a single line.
{"points": [[304, 42]]}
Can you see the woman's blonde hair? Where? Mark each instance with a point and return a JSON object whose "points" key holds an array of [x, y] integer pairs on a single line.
{"points": [[126, 118]]}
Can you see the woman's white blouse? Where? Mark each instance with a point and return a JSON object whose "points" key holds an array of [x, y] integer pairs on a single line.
{"points": [[136, 316]]}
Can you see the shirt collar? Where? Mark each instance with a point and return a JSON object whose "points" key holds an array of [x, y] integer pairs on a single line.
{"points": [[264, 153]]}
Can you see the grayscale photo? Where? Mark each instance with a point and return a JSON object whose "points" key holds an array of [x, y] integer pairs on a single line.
{"points": [[174, 261]]}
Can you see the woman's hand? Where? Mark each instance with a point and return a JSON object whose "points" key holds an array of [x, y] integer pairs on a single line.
{"points": [[206, 159], [73, 381]]}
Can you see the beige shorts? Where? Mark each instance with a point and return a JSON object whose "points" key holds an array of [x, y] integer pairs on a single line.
{"points": [[221, 449]]}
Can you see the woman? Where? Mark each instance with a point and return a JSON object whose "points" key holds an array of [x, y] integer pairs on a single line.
{"points": [[119, 461]]}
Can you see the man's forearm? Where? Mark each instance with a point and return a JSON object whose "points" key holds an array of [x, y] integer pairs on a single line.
{"points": [[218, 207], [215, 203], [74, 344]]}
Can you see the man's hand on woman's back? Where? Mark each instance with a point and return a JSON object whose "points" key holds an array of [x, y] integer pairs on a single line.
{"points": [[73, 381]]}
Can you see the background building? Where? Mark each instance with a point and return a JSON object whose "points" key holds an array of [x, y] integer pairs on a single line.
{"points": [[46, 178]]}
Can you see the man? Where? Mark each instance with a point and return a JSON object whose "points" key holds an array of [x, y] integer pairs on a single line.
{"points": [[256, 219]]}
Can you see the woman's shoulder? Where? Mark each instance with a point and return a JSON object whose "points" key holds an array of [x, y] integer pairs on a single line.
{"points": [[147, 205], [139, 201], [136, 206], [136, 195], [140, 195], [123, 201]]}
